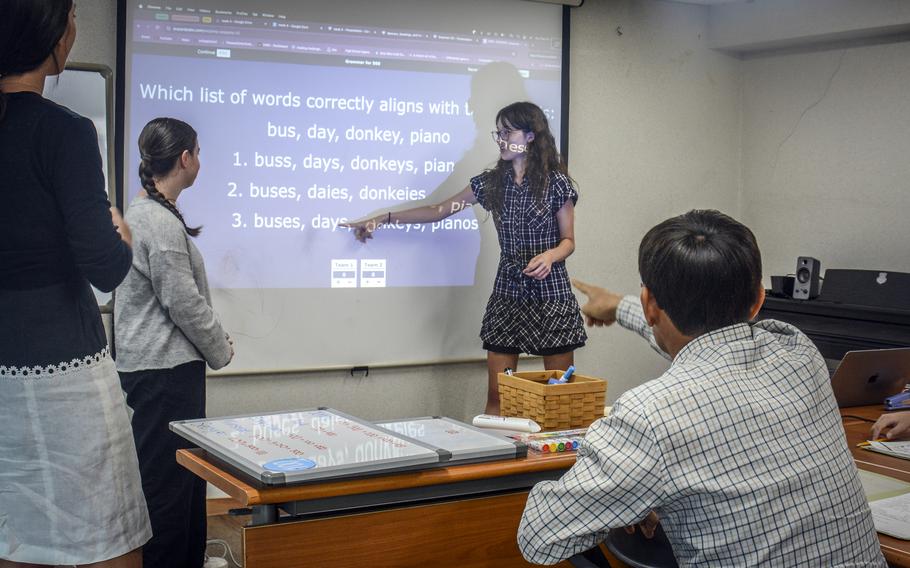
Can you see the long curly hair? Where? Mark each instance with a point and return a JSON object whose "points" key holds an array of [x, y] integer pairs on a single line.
{"points": [[542, 155]]}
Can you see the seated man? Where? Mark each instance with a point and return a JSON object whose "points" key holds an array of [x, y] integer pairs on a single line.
{"points": [[738, 448]]}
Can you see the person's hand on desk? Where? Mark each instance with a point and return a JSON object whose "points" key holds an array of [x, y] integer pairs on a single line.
{"points": [[600, 309], [897, 425], [648, 525]]}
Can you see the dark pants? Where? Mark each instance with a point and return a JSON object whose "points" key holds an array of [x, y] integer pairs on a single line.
{"points": [[175, 497]]}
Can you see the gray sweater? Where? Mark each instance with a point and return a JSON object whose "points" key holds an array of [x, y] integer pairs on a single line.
{"points": [[163, 313]]}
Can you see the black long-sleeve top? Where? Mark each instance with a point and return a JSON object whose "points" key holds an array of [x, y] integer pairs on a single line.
{"points": [[56, 235]]}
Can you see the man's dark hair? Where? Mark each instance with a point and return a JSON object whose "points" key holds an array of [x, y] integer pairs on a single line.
{"points": [[703, 269]]}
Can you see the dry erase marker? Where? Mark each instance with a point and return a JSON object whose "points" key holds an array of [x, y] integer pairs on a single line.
{"points": [[506, 423], [508, 371], [565, 376]]}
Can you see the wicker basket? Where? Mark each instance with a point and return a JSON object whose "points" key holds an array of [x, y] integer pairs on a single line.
{"points": [[575, 404]]}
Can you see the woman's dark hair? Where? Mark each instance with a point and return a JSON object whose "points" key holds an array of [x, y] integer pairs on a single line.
{"points": [[161, 143], [542, 157], [703, 269], [29, 32]]}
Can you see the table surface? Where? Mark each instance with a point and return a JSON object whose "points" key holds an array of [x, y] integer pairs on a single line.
{"points": [[248, 493], [857, 424]]}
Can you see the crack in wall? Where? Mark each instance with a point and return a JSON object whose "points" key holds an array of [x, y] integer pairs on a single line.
{"points": [[802, 115]]}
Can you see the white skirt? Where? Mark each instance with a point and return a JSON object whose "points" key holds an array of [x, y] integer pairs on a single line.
{"points": [[70, 491]]}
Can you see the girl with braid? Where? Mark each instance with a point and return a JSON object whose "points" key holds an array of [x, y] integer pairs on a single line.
{"points": [[532, 201], [165, 333]]}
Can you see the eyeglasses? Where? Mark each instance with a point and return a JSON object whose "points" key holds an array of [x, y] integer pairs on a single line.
{"points": [[502, 134]]}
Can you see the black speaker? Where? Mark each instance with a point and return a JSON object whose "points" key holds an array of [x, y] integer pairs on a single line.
{"points": [[806, 287], [782, 286], [874, 288]]}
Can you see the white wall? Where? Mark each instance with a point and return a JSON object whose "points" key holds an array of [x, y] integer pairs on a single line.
{"points": [[826, 136], [654, 131], [96, 36], [806, 147], [655, 127], [775, 24]]}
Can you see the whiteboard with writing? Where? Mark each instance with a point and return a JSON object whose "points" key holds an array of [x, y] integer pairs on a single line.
{"points": [[462, 441], [292, 447]]}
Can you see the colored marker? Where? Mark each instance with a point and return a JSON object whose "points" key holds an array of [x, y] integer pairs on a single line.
{"points": [[565, 377], [576, 433]]}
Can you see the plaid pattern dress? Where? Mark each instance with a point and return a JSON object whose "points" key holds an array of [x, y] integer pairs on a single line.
{"points": [[525, 314], [738, 447]]}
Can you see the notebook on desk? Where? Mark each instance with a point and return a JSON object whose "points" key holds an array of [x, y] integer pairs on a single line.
{"points": [[868, 377]]}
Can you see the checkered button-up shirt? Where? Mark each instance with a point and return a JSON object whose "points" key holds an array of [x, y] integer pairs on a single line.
{"points": [[527, 228], [738, 447]]}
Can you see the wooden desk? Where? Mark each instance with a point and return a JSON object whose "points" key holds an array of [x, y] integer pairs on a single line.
{"points": [[464, 516], [857, 427]]}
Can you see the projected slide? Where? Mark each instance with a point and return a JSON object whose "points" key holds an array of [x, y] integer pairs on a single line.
{"points": [[306, 121]]}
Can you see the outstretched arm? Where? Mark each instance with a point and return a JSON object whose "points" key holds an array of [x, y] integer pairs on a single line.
{"points": [[600, 309], [604, 308], [364, 228]]}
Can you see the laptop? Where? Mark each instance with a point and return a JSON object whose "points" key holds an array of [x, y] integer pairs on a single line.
{"points": [[868, 377]]}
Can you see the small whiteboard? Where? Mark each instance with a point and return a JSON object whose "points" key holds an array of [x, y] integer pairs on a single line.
{"points": [[293, 447], [463, 442]]}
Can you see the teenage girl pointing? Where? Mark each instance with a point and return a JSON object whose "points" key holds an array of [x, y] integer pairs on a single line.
{"points": [[532, 201]]}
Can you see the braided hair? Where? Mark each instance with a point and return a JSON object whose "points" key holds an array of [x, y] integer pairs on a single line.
{"points": [[161, 143], [543, 157], [29, 32]]}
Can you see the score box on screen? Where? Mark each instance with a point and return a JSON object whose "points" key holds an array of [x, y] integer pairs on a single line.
{"points": [[372, 273], [344, 273]]}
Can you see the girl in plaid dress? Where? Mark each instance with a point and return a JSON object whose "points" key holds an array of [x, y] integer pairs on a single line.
{"points": [[532, 201]]}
